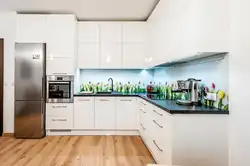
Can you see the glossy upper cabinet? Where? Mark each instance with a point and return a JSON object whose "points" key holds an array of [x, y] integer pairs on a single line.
{"points": [[31, 28], [88, 45], [61, 36], [134, 42], [134, 32], [110, 32]]}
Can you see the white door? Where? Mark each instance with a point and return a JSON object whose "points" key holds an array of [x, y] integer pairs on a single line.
{"points": [[126, 113], [105, 113], [84, 113], [88, 56], [88, 32], [111, 56], [111, 32], [133, 56], [60, 66], [134, 32]]}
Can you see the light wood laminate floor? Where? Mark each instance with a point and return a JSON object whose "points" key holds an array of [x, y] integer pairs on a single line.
{"points": [[74, 151]]}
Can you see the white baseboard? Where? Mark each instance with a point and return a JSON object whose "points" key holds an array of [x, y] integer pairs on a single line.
{"points": [[91, 132]]}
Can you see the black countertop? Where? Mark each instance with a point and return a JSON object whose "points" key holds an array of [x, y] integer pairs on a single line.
{"points": [[168, 105]]}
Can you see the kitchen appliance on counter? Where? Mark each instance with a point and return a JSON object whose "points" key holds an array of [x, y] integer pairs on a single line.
{"points": [[60, 89], [29, 90], [192, 87]]}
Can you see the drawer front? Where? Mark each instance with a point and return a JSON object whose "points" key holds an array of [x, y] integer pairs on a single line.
{"points": [[84, 100], [159, 115], [59, 123], [104, 99], [59, 110]]}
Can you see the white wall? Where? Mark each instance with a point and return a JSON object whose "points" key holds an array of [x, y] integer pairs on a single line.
{"points": [[8, 32], [239, 79], [134, 76]]}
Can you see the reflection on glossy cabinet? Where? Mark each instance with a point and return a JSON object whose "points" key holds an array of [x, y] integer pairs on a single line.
{"points": [[126, 114], [105, 113], [111, 55], [88, 56], [84, 113]]}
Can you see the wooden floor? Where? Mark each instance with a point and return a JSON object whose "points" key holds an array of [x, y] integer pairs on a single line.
{"points": [[74, 151]]}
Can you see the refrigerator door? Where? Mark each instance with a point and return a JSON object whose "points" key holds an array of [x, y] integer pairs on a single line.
{"points": [[29, 72], [29, 119]]}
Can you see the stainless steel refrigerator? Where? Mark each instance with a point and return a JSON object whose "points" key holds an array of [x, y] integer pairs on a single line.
{"points": [[30, 90]]}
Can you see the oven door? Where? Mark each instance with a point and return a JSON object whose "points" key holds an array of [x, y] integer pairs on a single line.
{"points": [[60, 92]]}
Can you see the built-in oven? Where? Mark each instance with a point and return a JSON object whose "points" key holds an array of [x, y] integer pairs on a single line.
{"points": [[60, 89]]}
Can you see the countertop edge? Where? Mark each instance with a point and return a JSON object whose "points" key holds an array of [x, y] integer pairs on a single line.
{"points": [[222, 112]]}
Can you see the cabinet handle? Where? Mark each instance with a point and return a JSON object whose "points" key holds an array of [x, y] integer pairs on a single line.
{"points": [[59, 120], [157, 146], [104, 100], [126, 100], [83, 99], [157, 124], [64, 106], [143, 103], [59, 73], [143, 111], [158, 113], [143, 127]]}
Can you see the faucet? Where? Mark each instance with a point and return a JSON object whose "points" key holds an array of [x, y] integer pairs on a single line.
{"points": [[112, 84]]}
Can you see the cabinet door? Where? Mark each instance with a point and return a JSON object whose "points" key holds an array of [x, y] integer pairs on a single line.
{"points": [[126, 115], [61, 36], [31, 28], [111, 32], [88, 32], [60, 66], [134, 32], [111, 57], [105, 113], [88, 56], [84, 113], [133, 56]]}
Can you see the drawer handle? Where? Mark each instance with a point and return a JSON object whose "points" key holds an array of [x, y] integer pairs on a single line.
{"points": [[157, 146], [59, 120], [64, 106], [126, 100], [143, 111], [143, 103], [143, 127], [59, 73], [104, 100], [83, 100], [158, 113], [157, 124]]}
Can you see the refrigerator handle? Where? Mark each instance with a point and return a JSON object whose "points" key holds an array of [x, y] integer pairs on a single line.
{"points": [[43, 88]]}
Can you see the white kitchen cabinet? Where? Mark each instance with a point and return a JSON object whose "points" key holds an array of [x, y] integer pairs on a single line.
{"points": [[111, 56], [60, 66], [111, 32], [59, 116], [105, 113], [88, 32], [84, 113], [61, 36], [134, 32], [133, 56], [88, 56], [32, 28], [126, 113]]}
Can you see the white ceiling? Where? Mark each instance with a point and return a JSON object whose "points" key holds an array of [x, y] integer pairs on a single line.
{"points": [[85, 9]]}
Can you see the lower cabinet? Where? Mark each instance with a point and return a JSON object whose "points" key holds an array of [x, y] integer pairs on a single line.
{"points": [[84, 113], [126, 114], [59, 116], [105, 113]]}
